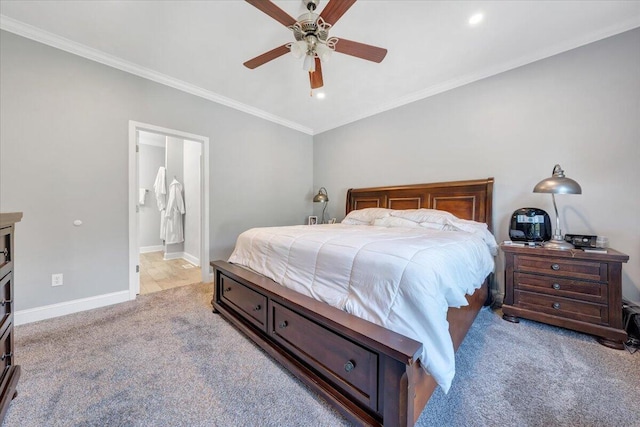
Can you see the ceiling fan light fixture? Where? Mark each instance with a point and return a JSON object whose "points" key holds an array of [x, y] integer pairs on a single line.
{"points": [[298, 49], [309, 63], [323, 52]]}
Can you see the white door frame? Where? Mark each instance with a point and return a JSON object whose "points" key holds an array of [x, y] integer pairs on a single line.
{"points": [[134, 244]]}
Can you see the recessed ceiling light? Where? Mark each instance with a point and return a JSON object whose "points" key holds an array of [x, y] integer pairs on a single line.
{"points": [[476, 19], [320, 95]]}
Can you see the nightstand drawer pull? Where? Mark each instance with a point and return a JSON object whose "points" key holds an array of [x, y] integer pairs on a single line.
{"points": [[555, 267], [556, 286], [556, 305], [348, 367], [283, 324], [4, 302], [228, 289], [258, 307], [4, 356]]}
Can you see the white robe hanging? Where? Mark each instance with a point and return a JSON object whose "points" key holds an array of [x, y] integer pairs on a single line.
{"points": [[160, 190], [175, 210]]}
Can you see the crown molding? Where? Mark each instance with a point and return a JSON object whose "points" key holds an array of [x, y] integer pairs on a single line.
{"points": [[628, 25], [34, 33], [50, 39]]}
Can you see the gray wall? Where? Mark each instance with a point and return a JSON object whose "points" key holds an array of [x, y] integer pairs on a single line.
{"points": [[580, 109], [151, 157], [64, 156]]}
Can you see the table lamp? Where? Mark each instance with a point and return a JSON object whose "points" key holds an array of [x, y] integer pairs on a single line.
{"points": [[322, 197], [557, 184]]}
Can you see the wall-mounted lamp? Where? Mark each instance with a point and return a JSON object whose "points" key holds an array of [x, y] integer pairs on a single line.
{"points": [[557, 184], [322, 197]]}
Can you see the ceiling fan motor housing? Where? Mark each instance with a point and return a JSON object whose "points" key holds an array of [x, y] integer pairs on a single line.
{"points": [[311, 5]]}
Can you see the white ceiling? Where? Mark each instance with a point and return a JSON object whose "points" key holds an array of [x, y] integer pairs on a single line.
{"points": [[199, 47]]}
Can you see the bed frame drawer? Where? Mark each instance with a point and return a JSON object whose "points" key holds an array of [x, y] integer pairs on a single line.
{"points": [[251, 305], [343, 362]]}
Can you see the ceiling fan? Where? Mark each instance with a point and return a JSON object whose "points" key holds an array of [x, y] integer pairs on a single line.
{"points": [[311, 32]]}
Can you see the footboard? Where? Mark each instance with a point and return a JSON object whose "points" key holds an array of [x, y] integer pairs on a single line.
{"points": [[367, 372], [364, 370]]}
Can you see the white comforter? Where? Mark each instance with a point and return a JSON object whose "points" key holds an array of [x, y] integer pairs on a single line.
{"points": [[403, 279]]}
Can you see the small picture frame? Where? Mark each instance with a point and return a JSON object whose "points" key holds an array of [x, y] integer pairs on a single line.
{"points": [[332, 221], [313, 220]]}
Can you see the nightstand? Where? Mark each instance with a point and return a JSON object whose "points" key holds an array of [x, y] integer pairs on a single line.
{"points": [[572, 289]]}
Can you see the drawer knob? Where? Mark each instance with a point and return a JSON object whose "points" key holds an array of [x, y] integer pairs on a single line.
{"points": [[257, 307], [349, 366], [555, 267], [283, 324], [4, 302], [228, 289], [556, 286], [5, 355], [556, 305]]}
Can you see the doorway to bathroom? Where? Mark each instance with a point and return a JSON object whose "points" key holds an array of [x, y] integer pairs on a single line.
{"points": [[168, 221]]}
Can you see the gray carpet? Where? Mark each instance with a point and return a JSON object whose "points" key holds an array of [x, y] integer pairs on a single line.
{"points": [[166, 360]]}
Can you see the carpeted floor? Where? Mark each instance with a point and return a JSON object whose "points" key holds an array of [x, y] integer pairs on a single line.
{"points": [[166, 360]]}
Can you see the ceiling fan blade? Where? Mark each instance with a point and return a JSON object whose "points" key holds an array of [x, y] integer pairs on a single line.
{"points": [[267, 56], [335, 9], [361, 50], [315, 77], [273, 11]]}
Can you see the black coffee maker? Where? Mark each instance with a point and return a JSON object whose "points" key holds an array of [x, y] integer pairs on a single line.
{"points": [[531, 225]]}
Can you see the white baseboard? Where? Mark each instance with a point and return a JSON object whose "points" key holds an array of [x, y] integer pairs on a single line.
{"points": [[173, 255], [192, 259], [68, 307], [147, 249], [185, 256]]}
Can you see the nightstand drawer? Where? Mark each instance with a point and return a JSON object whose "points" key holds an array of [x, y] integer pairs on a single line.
{"points": [[555, 286], [564, 307], [575, 269]]}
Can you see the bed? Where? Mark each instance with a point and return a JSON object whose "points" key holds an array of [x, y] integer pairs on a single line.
{"points": [[372, 374]]}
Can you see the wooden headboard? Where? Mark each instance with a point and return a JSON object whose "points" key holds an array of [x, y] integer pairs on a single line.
{"points": [[465, 199]]}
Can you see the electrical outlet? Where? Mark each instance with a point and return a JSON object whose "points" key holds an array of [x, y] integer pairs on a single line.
{"points": [[56, 279]]}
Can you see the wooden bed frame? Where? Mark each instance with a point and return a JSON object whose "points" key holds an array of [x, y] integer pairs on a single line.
{"points": [[367, 372]]}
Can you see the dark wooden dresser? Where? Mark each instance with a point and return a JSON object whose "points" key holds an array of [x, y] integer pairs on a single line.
{"points": [[10, 371], [568, 288]]}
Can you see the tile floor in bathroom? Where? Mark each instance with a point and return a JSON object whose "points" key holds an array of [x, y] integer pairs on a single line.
{"points": [[156, 274]]}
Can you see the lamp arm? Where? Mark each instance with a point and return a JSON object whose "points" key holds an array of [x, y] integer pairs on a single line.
{"points": [[558, 232], [323, 209]]}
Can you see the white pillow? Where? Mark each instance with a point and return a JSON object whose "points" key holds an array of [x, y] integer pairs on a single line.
{"points": [[365, 216], [351, 221], [434, 226], [391, 221], [425, 215]]}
